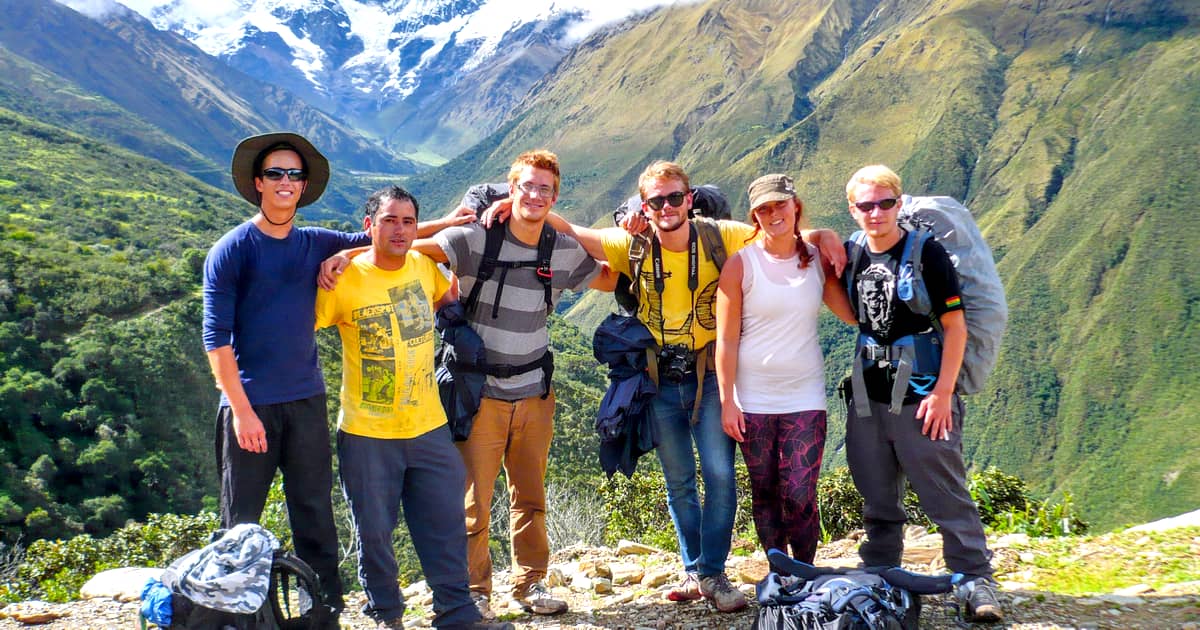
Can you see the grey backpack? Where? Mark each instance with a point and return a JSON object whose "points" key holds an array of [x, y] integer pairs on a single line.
{"points": [[954, 228]]}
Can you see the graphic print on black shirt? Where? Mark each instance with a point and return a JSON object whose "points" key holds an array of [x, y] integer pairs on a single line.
{"points": [[877, 287]]}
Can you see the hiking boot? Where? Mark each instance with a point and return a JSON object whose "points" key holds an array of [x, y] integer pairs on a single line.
{"points": [[688, 590], [718, 590], [483, 605], [395, 623], [978, 602], [482, 625], [536, 598]]}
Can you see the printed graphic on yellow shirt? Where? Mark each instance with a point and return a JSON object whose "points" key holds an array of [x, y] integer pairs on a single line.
{"points": [[686, 322], [408, 316]]}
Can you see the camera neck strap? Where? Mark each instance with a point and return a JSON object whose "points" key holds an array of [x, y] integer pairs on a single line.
{"points": [[660, 281]]}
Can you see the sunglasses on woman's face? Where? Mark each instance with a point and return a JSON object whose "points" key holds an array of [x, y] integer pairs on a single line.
{"points": [[275, 174], [675, 199]]}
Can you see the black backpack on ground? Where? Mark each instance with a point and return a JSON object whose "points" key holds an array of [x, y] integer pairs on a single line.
{"points": [[293, 603], [799, 596]]}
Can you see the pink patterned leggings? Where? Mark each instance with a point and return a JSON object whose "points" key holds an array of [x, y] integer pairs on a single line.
{"points": [[783, 454]]}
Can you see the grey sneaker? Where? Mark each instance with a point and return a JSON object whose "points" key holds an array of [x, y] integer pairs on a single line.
{"points": [[536, 598], [483, 605], [718, 590], [978, 602], [688, 590], [395, 623]]}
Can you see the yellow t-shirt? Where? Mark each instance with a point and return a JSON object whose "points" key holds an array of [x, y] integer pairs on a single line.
{"points": [[686, 319], [385, 319]]}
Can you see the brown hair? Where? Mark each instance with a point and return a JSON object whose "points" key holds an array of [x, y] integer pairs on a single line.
{"points": [[662, 169], [538, 158]]}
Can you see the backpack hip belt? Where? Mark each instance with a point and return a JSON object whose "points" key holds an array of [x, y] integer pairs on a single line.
{"points": [[911, 354], [544, 362]]}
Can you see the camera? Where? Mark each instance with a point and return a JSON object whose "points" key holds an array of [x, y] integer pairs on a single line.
{"points": [[674, 362]]}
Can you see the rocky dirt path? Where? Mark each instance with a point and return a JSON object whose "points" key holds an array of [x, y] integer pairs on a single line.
{"points": [[625, 588]]}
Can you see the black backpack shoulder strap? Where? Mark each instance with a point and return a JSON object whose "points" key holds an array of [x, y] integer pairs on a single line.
{"points": [[545, 272], [285, 568], [855, 251], [710, 237], [487, 264], [638, 247]]}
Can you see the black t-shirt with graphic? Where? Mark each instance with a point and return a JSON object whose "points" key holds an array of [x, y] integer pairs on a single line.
{"points": [[884, 316]]}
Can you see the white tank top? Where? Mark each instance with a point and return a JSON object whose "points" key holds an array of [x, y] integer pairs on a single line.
{"points": [[780, 367]]}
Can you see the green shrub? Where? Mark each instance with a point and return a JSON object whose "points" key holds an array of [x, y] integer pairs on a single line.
{"points": [[54, 570], [637, 510]]}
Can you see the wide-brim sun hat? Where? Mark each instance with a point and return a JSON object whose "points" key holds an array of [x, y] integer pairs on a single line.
{"points": [[248, 150]]}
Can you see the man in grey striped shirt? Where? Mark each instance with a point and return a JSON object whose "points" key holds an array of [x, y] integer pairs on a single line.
{"points": [[515, 422]]}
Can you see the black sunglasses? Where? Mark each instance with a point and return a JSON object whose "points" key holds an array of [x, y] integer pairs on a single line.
{"points": [[675, 199], [867, 206], [275, 174]]}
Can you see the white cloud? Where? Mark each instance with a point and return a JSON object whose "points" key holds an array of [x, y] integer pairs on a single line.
{"points": [[90, 8]]}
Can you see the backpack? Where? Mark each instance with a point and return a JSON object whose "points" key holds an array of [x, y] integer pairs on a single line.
{"points": [[950, 223], [487, 267], [289, 606], [796, 595], [709, 233], [491, 261], [708, 201], [849, 601], [292, 600]]}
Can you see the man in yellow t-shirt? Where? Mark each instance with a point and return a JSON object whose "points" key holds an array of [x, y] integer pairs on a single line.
{"points": [[393, 443], [677, 287]]}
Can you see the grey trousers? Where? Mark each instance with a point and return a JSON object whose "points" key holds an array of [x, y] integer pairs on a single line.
{"points": [[882, 450]]}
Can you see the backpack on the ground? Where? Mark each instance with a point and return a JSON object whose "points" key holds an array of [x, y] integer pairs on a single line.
{"points": [[949, 223], [796, 595], [236, 598], [851, 601]]}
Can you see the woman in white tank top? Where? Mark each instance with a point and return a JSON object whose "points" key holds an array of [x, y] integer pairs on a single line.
{"points": [[769, 365]]}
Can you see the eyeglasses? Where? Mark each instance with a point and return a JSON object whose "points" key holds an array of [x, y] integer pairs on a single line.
{"points": [[867, 206], [530, 188], [275, 174], [675, 199]]}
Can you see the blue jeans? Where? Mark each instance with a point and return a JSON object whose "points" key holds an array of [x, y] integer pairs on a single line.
{"points": [[426, 474], [704, 532]]}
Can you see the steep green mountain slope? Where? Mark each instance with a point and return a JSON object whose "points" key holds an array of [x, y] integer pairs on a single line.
{"points": [[171, 85], [105, 397], [1068, 127]]}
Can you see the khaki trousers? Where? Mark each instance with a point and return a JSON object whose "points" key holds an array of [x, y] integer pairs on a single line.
{"points": [[515, 434]]}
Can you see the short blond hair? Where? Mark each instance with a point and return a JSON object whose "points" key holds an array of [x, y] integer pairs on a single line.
{"points": [[538, 158], [876, 174], [662, 169]]}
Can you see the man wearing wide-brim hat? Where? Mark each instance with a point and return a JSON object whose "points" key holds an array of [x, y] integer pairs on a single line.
{"points": [[259, 297]]}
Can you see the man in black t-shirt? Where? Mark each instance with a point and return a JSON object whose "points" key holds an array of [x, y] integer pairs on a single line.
{"points": [[912, 428]]}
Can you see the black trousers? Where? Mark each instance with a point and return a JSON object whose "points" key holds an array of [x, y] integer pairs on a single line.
{"points": [[298, 446], [882, 450]]}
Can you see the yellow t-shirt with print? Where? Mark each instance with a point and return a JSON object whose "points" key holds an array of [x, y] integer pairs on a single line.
{"points": [[686, 318], [385, 319]]}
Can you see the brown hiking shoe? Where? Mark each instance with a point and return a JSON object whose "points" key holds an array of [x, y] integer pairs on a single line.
{"points": [[483, 605], [978, 601], [687, 591], [722, 594], [536, 598]]}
